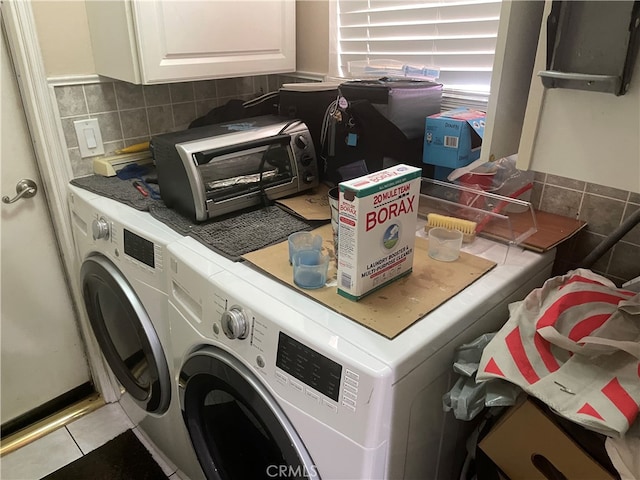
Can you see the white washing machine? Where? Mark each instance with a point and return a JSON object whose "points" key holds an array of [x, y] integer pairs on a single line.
{"points": [[122, 275], [274, 384]]}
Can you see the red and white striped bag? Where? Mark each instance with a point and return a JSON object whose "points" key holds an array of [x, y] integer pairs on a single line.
{"points": [[574, 343]]}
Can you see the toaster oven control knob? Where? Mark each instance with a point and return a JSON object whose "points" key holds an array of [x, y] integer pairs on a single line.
{"points": [[309, 177], [234, 323], [306, 159], [100, 229], [301, 142]]}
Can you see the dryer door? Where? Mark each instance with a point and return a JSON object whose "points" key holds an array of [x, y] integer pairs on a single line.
{"points": [[236, 427], [126, 334]]}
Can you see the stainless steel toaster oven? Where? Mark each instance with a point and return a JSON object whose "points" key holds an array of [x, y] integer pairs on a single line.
{"points": [[213, 170]]}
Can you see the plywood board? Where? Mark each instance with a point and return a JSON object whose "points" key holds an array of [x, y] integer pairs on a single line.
{"points": [[395, 307], [552, 229], [310, 205]]}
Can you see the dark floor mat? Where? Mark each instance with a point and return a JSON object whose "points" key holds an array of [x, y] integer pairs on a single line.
{"points": [[231, 235], [123, 458]]}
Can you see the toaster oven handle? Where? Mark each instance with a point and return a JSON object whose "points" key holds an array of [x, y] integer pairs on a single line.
{"points": [[205, 156]]}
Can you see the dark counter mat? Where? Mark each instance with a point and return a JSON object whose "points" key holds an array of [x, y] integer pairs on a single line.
{"points": [[232, 235], [237, 234], [123, 458], [113, 187]]}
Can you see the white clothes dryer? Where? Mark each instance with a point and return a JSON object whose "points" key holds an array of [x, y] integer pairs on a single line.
{"points": [[122, 275], [274, 384]]}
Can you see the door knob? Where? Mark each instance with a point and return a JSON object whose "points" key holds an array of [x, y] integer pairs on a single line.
{"points": [[25, 188]]}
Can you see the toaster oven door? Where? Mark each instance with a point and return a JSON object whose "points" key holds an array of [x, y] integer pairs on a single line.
{"points": [[246, 169]]}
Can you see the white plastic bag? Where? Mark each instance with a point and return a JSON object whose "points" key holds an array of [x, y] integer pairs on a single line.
{"points": [[574, 343]]}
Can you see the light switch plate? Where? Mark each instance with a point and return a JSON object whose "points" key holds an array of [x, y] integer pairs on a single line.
{"points": [[89, 137]]}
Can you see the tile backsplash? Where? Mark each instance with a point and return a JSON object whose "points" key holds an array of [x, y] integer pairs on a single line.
{"points": [[130, 114], [604, 209]]}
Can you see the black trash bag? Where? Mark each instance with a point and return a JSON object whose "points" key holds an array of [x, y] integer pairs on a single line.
{"points": [[382, 139], [364, 134], [236, 109]]}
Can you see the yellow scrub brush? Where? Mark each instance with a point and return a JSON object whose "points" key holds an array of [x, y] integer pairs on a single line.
{"points": [[467, 227]]}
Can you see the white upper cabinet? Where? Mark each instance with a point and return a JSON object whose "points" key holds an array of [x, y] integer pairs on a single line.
{"points": [[155, 41]]}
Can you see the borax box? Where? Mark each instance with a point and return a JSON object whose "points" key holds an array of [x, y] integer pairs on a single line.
{"points": [[377, 229]]}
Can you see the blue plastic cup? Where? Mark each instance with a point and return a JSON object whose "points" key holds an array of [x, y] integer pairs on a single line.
{"points": [[303, 241], [310, 269]]}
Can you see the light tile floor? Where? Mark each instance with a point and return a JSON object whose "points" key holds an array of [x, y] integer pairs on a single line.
{"points": [[63, 446]]}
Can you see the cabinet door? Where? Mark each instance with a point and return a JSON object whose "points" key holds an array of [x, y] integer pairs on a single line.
{"points": [[190, 40], [515, 53]]}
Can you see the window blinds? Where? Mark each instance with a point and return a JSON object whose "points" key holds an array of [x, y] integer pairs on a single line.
{"points": [[458, 36]]}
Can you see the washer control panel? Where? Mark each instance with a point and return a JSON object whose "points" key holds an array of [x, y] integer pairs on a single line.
{"points": [[294, 364], [139, 248], [303, 362], [305, 365]]}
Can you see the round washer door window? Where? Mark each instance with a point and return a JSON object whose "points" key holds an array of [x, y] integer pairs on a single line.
{"points": [[237, 429], [126, 334]]}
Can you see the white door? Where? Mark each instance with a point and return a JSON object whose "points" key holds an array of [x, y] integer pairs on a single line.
{"points": [[42, 354]]}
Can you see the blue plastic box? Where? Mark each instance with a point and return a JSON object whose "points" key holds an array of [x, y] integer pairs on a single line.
{"points": [[453, 139]]}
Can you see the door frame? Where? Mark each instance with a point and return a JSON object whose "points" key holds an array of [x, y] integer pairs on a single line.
{"points": [[43, 119]]}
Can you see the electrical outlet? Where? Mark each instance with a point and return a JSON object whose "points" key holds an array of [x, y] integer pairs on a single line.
{"points": [[89, 137]]}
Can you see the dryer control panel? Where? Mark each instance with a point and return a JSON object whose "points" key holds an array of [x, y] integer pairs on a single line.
{"points": [[308, 366], [303, 364]]}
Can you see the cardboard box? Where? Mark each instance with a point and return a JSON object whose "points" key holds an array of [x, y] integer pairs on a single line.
{"points": [[527, 442], [377, 229], [453, 139]]}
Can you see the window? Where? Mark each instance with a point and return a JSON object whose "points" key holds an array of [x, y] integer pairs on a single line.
{"points": [[458, 36]]}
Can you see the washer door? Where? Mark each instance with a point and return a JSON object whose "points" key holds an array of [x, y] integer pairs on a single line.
{"points": [[126, 334], [236, 427]]}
